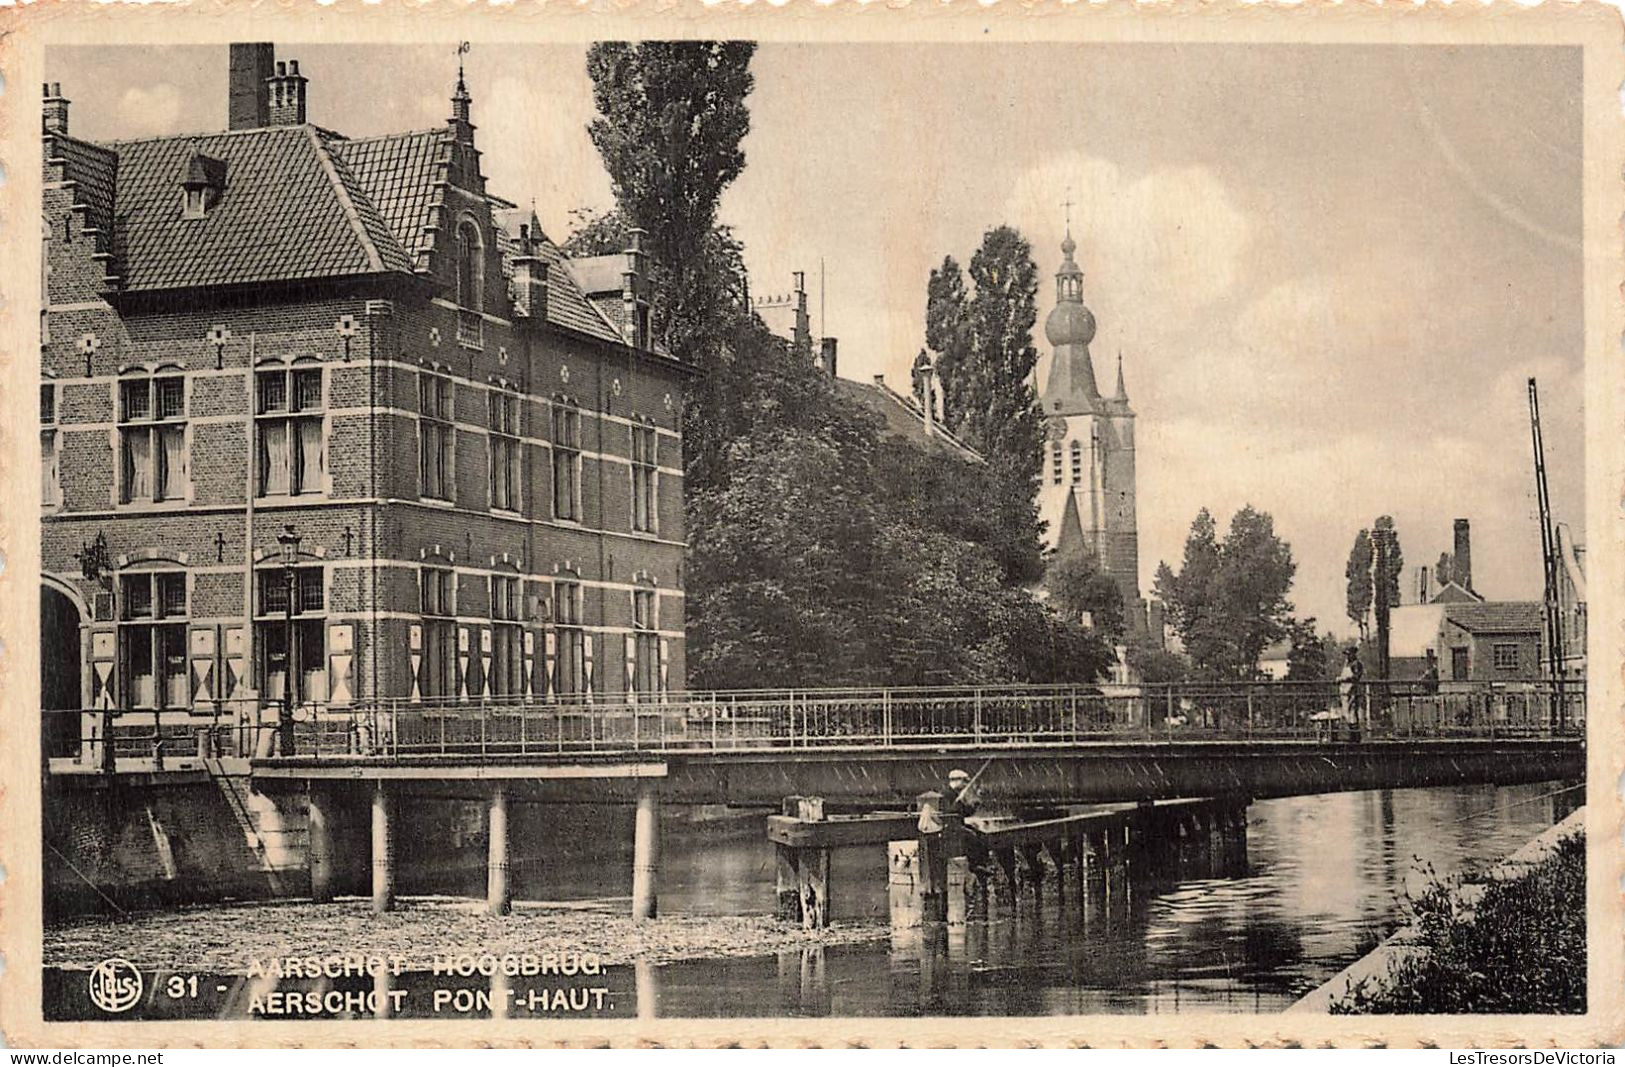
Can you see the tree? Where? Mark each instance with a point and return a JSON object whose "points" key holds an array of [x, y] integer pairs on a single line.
{"points": [[1155, 666], [1228, 601], [1358, 574], [946, 331], [1084, 594], [1393, 563], [1306, 657], [671, 118]]}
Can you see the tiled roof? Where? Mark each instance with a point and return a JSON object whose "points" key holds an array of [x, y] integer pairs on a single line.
{"points": [[399, 174], [1500, 617], [902, 418], [288, 212], [95, 169], [567, 305]]}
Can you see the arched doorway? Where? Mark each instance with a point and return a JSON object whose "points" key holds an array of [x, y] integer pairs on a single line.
{"points": [[59, 672]]}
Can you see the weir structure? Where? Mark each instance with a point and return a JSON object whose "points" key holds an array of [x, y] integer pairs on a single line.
{"points": [[1127, 747]]}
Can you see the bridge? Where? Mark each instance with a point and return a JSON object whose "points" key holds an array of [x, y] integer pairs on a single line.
{"points": [[864, 749]]}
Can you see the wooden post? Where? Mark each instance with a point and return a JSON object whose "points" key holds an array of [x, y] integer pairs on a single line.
{"points": [[812, 871], [787, 867], [383, 852], [646, 853], [933, 858], [320, 854], [498, 900]]}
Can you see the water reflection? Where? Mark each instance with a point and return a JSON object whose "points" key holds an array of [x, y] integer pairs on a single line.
{"points": [[1205, 930], [1221, 923]]}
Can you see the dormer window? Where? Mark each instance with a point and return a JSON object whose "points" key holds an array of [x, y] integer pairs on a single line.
{"points": [[201, 185]]}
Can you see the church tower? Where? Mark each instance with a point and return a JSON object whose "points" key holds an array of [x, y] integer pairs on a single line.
{"points": [[1086, 494]]}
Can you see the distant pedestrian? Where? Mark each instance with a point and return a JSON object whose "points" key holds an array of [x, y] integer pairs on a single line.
{"points": [[1430, 688], [1350, 690]]}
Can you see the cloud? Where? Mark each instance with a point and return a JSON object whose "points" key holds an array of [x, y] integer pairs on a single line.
{"points": [[149, 110], [1171, 236]]}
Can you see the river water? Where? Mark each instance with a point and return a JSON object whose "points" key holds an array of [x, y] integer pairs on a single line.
{"points": [[1322, 882]]}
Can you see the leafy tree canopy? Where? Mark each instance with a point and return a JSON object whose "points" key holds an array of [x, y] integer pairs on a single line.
{"points": [[1228, 602]]}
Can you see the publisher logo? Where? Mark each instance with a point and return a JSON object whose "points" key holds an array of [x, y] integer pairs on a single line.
{"points": [[115, 985]]}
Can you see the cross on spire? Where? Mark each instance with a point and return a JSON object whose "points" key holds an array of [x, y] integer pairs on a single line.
{"points": [[1068, 205]]}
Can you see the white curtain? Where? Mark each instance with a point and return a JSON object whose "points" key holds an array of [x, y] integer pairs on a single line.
{"points": [[274, 457], [310, 456], [172, 475], [138, 465]]}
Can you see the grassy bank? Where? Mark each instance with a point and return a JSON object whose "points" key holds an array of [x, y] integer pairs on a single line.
{"points": [[1519, 948]]}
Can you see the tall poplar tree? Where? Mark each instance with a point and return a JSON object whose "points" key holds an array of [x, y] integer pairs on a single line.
{"points": [[1357, 573]]}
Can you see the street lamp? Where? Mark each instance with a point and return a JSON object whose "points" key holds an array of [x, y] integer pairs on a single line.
{"points": [[96, 564], [289, 540]]}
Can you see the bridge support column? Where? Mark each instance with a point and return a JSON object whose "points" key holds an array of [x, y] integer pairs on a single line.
{"points": [[498, 899], [1006, 860], [1035, 873], [383, 851], [319, 856], [646, 853]]}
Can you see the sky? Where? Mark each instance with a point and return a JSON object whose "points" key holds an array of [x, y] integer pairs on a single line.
{"points": [[1329, 269]]}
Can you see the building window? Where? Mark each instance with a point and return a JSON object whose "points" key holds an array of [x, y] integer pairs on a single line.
{"points": [[50, 492], [1077, 463], [152, 439], [437, 400], [645, 678], [470, 284], [438, 593], [1056, 466], [308, 656], [1504, 656], [505, 452], [645, 477], [507, 638], [566, 460], [288, 429], [570, 641], [152, 639]]}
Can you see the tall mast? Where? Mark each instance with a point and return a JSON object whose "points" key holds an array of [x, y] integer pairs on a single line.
{"points": [[1548, 549]]}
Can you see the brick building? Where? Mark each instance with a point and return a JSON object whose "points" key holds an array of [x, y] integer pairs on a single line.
{"points": [[278, 327]]}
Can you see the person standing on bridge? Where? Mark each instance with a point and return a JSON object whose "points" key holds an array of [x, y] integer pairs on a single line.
{"points": [[1350, 689]]}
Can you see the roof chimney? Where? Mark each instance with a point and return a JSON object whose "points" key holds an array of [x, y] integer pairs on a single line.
{"points": [[1464, 556], [247, 103], [287, 95], [56, 109], [802, 338], [634, 290], [826, 355], [1424, 592]]}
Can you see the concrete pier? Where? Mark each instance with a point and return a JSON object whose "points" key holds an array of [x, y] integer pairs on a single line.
{"points": [[498, 898], [320, 845], [646, 854], [383, 852]]}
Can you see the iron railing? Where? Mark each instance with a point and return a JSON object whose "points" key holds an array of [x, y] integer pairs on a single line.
{"points": [[788, 719]]}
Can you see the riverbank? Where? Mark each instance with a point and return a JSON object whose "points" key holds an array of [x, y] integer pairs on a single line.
{"points": [[1510, 941], [226, 939]]}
